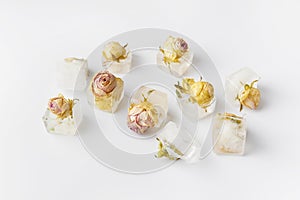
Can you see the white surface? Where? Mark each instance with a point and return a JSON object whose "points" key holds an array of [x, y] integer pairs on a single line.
{"points": [[262, 34]]}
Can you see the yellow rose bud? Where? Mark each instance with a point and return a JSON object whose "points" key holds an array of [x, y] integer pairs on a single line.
{"points": [[113, 51], [250, 97], [203, 93], [200, 92]]}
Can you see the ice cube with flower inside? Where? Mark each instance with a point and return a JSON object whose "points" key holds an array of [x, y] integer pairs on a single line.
{"points": [[63, 116], [175, 56], [175, 144], [229, 134], [241, 89], [107, 91], [115, 58], [196, 96], [148, 108]]}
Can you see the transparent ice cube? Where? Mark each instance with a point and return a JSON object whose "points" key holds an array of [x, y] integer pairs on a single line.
{"points": [[72, 74], [66, 126], [176, 68], [180, 144], [194, 111], [235, 82], [121, 67], [229, 134]]}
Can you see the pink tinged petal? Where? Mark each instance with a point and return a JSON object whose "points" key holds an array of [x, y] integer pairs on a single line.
{"points": [[144, 119], [104, 82], [54, 107]]}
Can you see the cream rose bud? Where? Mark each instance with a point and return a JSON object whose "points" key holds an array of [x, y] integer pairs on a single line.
{"points": [[168, 50], [241, 89], [141, 117], [116, 58], [180, 46], [148, 109], [174, 56], [250, 97], [113, 51]]}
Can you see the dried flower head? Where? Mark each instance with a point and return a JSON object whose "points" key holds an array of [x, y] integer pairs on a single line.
{"points": [[142, 116], [103, 83], [113, 51], [200, 92], [250, 97], [180, 46], [61, 107], [173, 49]]}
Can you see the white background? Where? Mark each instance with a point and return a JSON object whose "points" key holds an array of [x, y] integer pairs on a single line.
{"points": [[261, 34]]}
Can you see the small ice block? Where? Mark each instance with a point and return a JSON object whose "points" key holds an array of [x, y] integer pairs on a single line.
{"points": [[176, 68], [122, 66], [178, 145], [72, 74], [235, 82], [229, 134], [66, 126]]}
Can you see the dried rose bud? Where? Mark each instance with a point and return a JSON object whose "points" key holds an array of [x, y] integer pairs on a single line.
{"points": [[180, 46], [113, 51], [103, 83], [173, 49], [200, 92], [141, 117], [250, 97], [60, 106]]}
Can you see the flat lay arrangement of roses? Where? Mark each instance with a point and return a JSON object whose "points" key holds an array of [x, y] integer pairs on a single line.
{"points": [[148, 107]]}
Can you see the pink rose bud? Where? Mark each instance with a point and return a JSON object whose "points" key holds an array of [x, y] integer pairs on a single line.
{"points": [[60, 106], [140, 118], [103, 83], [181, 45]]}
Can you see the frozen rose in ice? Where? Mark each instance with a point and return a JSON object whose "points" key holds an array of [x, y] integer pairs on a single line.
{"points": [[250, 97], [180, 46], [173, 49], [168, 51], [113, 51], [200, 92], [61, 107], [141, 117], [103, 83]]}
